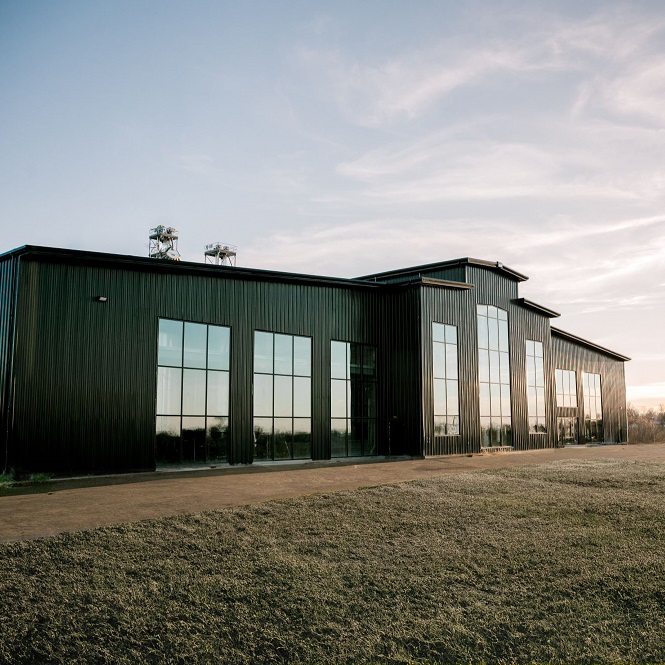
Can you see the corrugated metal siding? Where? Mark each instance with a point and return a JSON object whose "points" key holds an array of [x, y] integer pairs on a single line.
{"points": [[460, 309], [455, 308], [8, 276], [494, 289], [568, 355], [88, 369], [400, 356]]}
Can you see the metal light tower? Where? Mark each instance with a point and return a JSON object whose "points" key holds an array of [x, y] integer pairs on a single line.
{"points": [[220, 254], [164, 243]]}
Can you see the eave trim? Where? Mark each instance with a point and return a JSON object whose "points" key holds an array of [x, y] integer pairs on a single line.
{"points": [[430, 267], [545, 311], [585, 342], [145, 264], [430, 281]]}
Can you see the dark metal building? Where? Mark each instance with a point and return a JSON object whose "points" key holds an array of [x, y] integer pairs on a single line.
{"points": [[118, 363]]}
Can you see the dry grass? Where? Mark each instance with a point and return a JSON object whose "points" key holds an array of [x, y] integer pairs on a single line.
{"points": [[560, 562]]}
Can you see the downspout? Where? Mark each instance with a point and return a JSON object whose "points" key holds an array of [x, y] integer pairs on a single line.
{"points": [[9, 381]]}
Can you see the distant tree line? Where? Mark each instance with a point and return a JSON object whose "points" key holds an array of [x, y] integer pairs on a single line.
{"points": [[646, 426]]}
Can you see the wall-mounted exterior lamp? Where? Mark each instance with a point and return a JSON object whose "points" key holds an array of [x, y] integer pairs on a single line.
{"points": [[100, 298]]}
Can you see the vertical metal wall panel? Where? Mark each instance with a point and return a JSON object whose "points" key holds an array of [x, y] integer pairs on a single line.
{"points": [[401, 429], [85, 371], [459, 308], [84, 379], [533, 326], [87, 383], [569, 355], [495, 289], [454, 273], [454, 307], [8, 284]]}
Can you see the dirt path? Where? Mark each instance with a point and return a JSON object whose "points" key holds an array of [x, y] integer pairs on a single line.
{"points": [[118, 499]]}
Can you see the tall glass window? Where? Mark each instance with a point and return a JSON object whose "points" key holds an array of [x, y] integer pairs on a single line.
{"points": [[352, 399], [282, 396], [193, 362], [566, 388], [494, 376], [445, 380], [593, 408], [567, 429], [535, 382]]}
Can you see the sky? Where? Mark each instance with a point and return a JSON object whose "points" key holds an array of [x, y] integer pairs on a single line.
{"points": [[345, 138]]}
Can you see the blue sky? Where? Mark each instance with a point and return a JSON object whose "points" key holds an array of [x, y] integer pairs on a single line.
{"points": [[345, 138]]}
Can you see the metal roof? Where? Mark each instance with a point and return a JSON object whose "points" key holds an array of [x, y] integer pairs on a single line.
{"points": [[529, 304], [128, 262], [585, 342], [146, 264], [430, 281], [432, 267]]}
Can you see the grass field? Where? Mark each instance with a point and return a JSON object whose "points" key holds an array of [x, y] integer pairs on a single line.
{"points": [[559, 562]]}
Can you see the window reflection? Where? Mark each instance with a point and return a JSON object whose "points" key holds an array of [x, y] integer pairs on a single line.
{"points": [[262, 438], [193, 392], [282, 396], [196, 337], [566, 388], [451, 358], [302, 356], [167, 438], [339, 403], [283, 438], [219, 347], [168, 390], [263, 404], [338, 435], [535, 381], [263, 352], [352, 399], [494, 376], [302, 397], [567, 430], [593, 408], [302, 437], [338, 362], [169, 344], [445, 385], [217, 438], [284, 354], [192, 383], [218, 394], [194, 439]]}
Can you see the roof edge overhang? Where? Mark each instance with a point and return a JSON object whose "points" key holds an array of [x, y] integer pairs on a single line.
{"points": [[429, 267], [545, 311], [430, 281], [585, 342], [146, 264]]}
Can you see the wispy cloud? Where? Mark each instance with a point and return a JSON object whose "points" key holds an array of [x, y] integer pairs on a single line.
{"points": [[405, 86], [583, 161], [559, 260]]}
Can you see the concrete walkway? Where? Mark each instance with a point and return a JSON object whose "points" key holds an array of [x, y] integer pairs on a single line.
{"points": [[69, 506]]}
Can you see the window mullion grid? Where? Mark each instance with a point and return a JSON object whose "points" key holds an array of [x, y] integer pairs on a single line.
{"points": [[182, 386], [272, 413], [293, 390], [347, 405]]}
